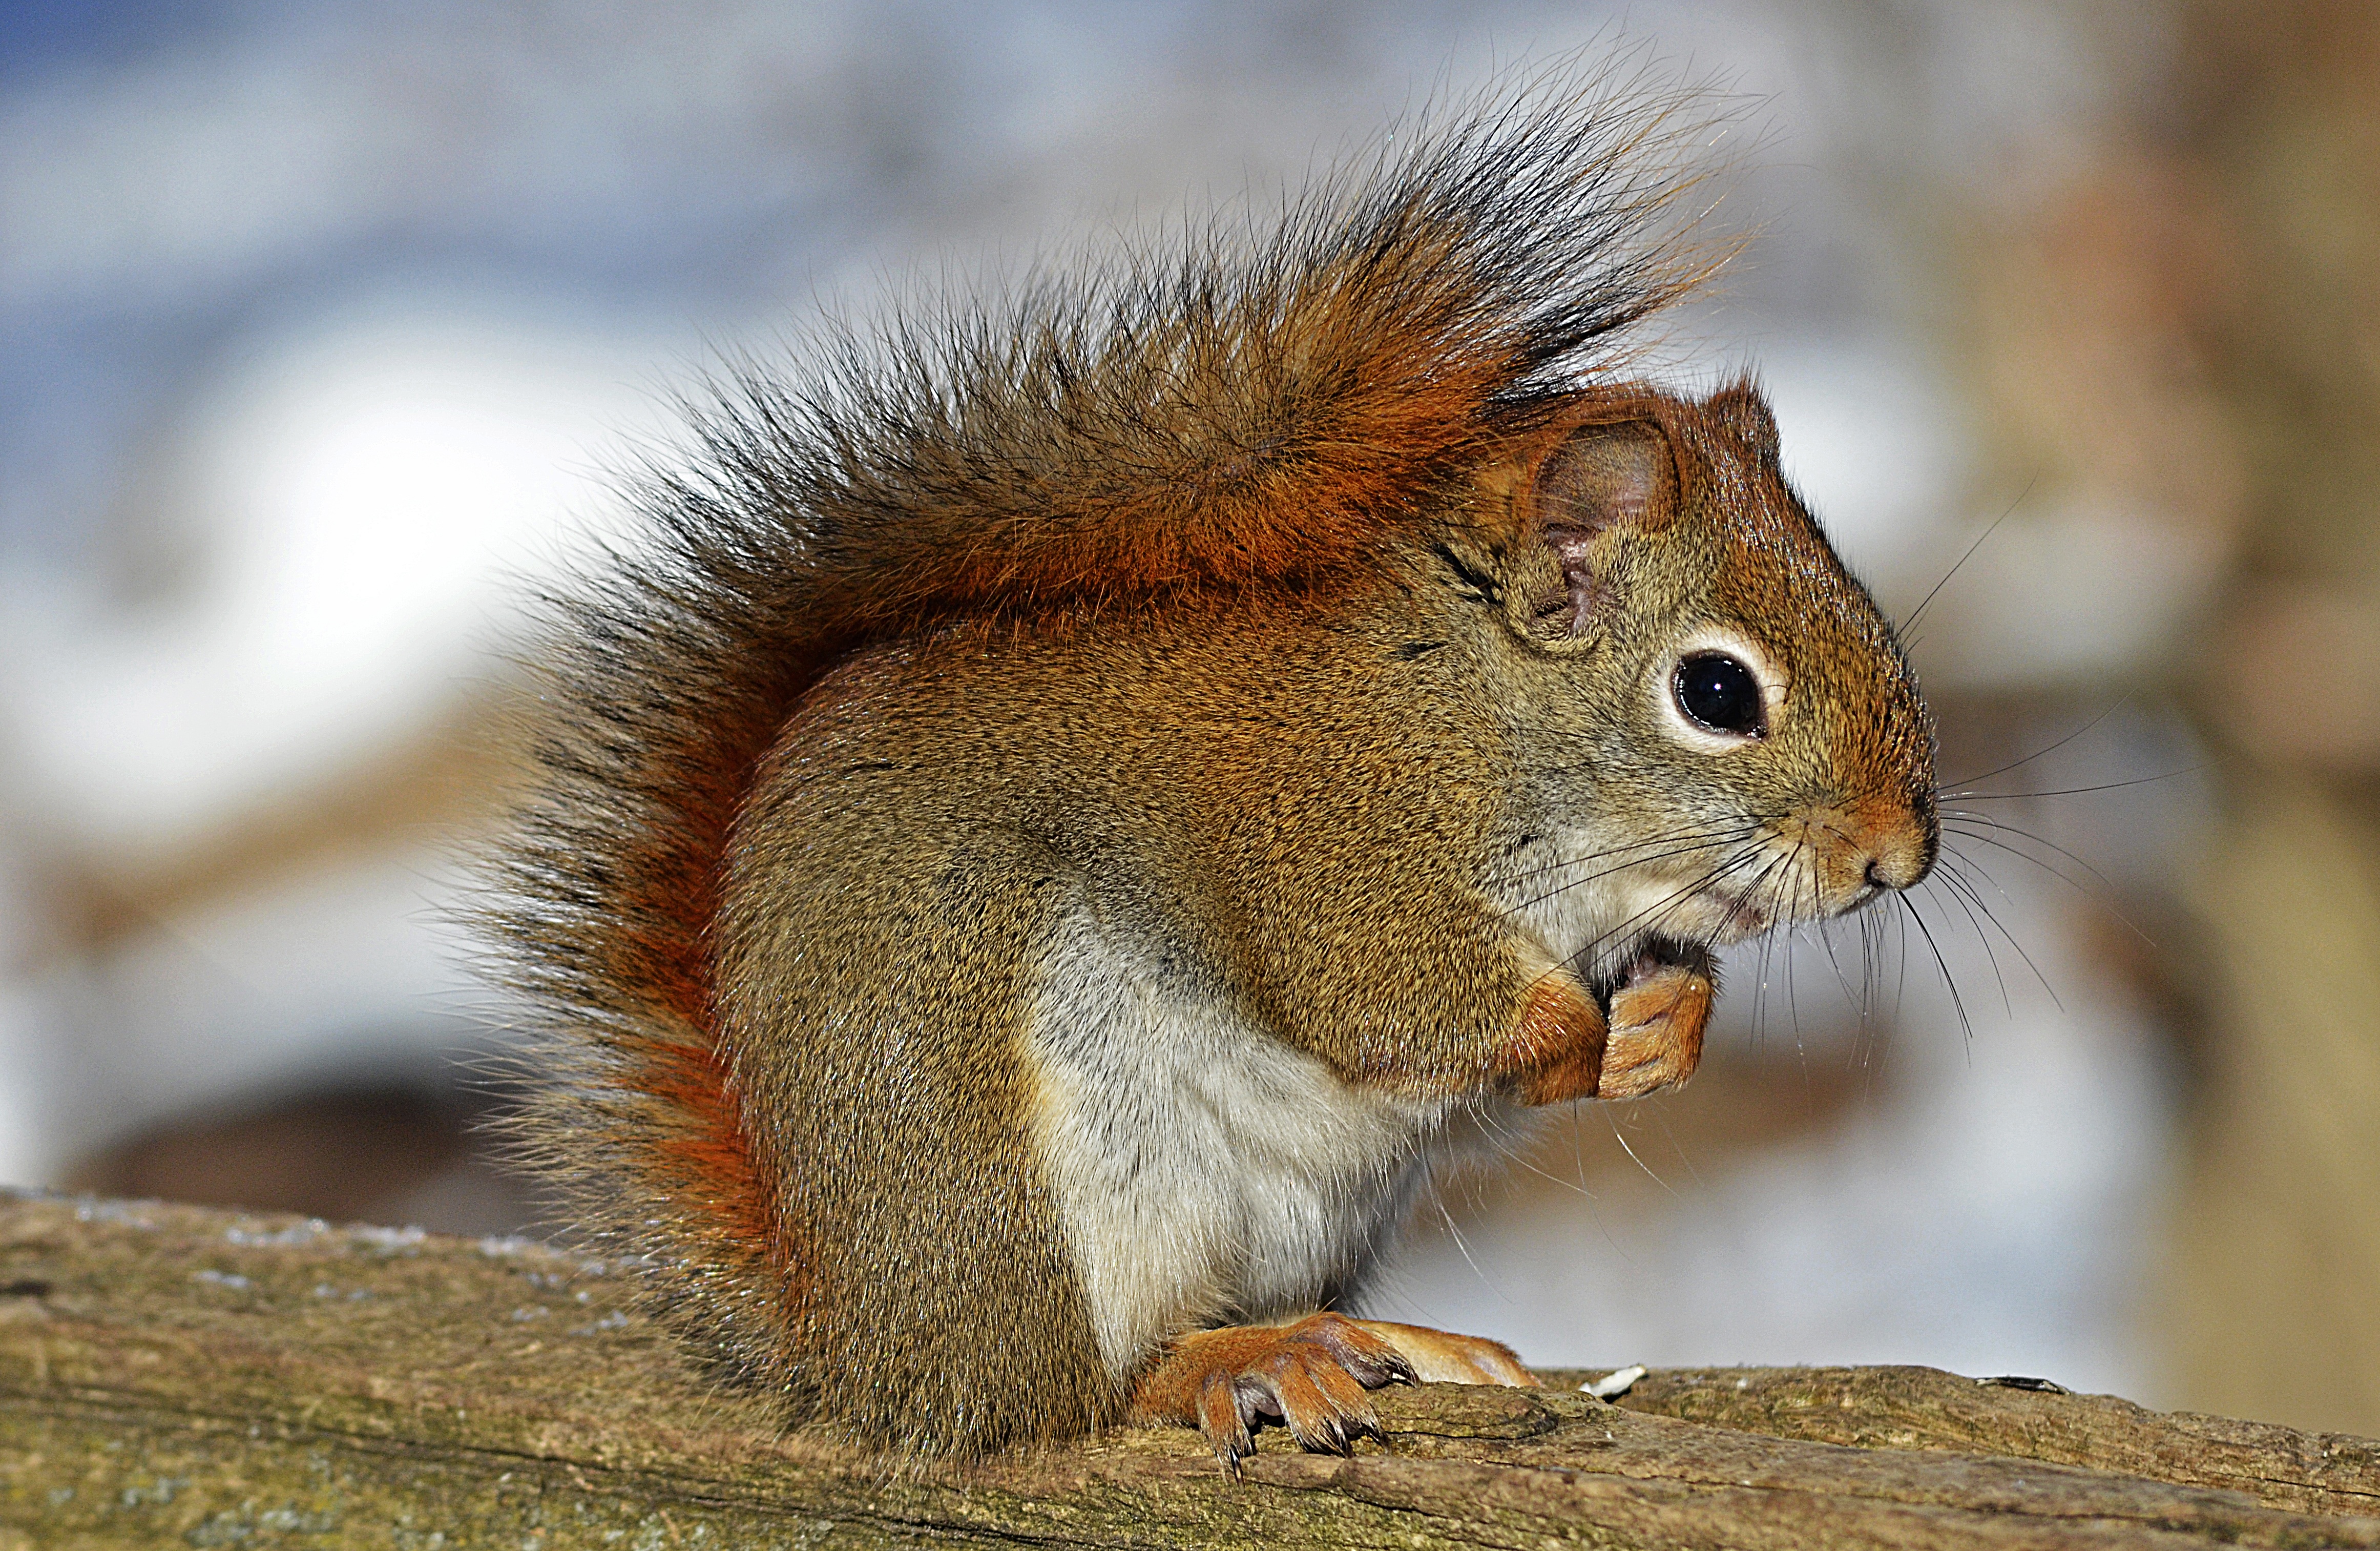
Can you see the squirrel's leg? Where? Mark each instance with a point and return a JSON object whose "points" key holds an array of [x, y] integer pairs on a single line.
{"points": [[1557, 1052], [1311, 1375]]}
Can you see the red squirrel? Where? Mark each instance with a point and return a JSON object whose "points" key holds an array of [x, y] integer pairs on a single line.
{"points": [[1078, 796]]}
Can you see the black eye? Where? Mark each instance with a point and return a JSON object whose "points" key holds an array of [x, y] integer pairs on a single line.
{"points": [[1721, 693]]}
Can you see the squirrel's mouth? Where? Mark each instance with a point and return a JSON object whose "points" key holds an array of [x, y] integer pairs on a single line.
{"points": [[1654, 953], [1744, 918]]}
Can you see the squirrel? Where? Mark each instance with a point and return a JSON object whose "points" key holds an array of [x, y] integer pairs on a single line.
{"points": [[1076, 800]]}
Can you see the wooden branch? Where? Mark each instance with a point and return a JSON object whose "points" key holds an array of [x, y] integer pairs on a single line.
{"points": [[1925, 1408], [170, 1375]]}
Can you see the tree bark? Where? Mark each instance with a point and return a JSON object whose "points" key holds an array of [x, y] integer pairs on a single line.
{"points": [[172, 1376]]}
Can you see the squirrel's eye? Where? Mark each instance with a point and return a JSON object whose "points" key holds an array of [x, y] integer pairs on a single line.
{"points": [[1721, 693]]}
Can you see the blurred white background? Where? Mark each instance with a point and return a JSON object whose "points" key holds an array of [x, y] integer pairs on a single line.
{"points": [[321, 325]]}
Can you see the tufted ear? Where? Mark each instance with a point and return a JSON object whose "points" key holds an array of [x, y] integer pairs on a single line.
{"points": [[1600, 484], [1742, 412]]}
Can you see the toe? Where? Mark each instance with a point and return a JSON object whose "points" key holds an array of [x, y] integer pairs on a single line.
{"points": [[1221, 1419], [1442, 1356], [1313, 1376], [1322, 1404], [1370, 1359]]}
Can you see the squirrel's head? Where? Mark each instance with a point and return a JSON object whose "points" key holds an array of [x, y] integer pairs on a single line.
{"points": [[1718, 728]]}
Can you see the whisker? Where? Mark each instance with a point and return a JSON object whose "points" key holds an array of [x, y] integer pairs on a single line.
{"points": [[1860, 1004], [1667, 902], [2074, 884], [1827, 946], [1438, 1199], [1900, 990], [1958, 1003], [1979, 914], [1662, 1119], [1578, 1151], [1509, 1147], [1871, 966], [1760, 991], [1622, 1140], [1917, 613], [1621, 867], [2005, 827], [2078, 885], [1950, 880], [1964, 866], [1661, 905], [2068, 791], [2121, 701], [1793, 996], [1690, 833], [1883, 1055], [1768, 947]]}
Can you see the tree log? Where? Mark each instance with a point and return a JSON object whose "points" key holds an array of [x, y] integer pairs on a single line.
{"points": [[173, 1376]]}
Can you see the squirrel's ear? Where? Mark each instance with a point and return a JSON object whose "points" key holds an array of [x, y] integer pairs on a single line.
{"points": [[1601, 484], [1741, 411]]}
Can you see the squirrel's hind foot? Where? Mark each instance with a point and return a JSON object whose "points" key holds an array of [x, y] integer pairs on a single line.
{"points": [[1311, 1376]]}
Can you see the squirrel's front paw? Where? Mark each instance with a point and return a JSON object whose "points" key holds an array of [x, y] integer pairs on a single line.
{"points": [[1311, 1375], [1656, 1029]]}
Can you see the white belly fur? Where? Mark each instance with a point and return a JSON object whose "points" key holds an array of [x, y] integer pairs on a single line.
{"points": [[1203, 1169]]}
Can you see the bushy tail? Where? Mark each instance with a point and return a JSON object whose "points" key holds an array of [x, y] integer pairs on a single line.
{"points": [[1248, 408]]}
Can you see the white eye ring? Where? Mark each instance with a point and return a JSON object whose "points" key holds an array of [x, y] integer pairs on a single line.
{"points": [[1711, 640]]}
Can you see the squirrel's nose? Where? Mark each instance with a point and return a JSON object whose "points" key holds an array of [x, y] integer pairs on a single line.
{"points": [[1900, 861], [1897, 838]]}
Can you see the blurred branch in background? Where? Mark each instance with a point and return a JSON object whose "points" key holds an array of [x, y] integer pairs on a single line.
{"points": [[2277, 1274], [2176, 330]]}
